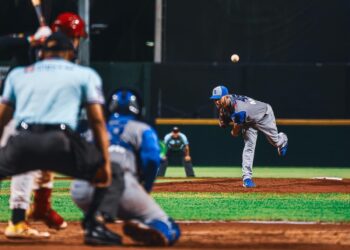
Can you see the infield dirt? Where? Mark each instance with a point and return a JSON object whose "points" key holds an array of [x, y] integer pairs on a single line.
{"points": [[221, 235], [264, 185]]}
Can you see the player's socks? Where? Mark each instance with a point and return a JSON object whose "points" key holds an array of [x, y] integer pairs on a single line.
{"points": [[42, 209], [18, 215]]}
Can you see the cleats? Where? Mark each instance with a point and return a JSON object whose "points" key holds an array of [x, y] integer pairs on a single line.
{"points": [[22, 230], [248, 183]]}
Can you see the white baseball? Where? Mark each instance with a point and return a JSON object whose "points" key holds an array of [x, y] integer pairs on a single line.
{"points": [[234, 58]]}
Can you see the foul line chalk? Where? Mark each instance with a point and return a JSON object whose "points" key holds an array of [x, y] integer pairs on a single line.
{"points": [[328, 178]]}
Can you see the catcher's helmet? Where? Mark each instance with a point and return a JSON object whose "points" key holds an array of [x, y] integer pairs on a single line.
{"points": [[70, 24], [219, 92], [125, 102]]}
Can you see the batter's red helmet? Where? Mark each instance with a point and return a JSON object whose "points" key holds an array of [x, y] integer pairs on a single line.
{"points": [[71, 24]]}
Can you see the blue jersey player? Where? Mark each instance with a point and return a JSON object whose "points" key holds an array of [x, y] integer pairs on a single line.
{"points": [[135, 157], [248, 116]]}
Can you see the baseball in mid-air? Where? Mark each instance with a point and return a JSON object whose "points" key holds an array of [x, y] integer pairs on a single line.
{"points": [[235, 58]]}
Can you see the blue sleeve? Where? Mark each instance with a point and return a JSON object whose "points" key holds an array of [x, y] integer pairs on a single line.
{"points": [[149, 157], [239, 117]]}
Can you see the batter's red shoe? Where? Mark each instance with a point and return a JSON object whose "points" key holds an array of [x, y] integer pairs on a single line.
{"points": [[42, 210]]}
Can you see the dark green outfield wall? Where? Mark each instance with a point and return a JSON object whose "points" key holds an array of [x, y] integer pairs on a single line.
{"points": [[308, 146], [308, 91]]}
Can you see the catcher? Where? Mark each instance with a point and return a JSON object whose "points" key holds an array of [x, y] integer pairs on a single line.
{"points": [[248, 116], [134, 152]]}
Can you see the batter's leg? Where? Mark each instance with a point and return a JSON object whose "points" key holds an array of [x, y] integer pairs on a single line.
{"points": [[250, 136], [42, 209], [21, 188]]}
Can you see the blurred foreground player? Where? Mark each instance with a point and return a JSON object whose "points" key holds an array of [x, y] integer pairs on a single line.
{"points": [[134, 153], [248, 117], [47, 98], [177, 144], [73, 26]]}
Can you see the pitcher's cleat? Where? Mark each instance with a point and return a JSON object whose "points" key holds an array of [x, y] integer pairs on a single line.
{"points": [[248, 183], [282, 151], [22, 230]]}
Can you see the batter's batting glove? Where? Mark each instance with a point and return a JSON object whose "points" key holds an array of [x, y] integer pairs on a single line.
{"points": [[40, 36]]}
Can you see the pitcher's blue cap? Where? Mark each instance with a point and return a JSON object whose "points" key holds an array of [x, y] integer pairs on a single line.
{"points": [[219, 92]]}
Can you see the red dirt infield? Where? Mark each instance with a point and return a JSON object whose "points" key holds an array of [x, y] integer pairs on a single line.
{"points": [[221, 235], [265, 185], [209, 235]]}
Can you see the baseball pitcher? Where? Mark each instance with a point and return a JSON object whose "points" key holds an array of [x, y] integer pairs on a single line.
{"points": [[248, 116]]}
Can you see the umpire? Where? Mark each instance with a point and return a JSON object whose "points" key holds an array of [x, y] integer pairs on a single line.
{"points": [[176, 144], [45, 100]]}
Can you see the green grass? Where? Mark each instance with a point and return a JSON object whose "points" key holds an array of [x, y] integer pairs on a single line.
{"points": [[326, 207], [256, 206], [263, 172]]}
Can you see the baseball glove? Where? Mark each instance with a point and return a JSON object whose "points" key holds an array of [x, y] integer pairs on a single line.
{"points": [[224, 118]]}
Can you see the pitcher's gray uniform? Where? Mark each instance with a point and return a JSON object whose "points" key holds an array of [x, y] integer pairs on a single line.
{"points": [[254, 116]]}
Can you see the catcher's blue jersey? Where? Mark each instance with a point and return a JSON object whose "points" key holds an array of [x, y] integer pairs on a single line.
{"points": [[134, 145]]}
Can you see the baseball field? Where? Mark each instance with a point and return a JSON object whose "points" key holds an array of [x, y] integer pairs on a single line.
{"points": [[298, 208]]}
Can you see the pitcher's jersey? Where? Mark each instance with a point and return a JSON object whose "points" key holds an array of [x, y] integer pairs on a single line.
{"points": [[255, 110], [51, 91]]}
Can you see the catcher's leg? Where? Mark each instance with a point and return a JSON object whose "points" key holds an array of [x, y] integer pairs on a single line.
{"points": [[250, 136], [42, 209], [146, 221]]}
